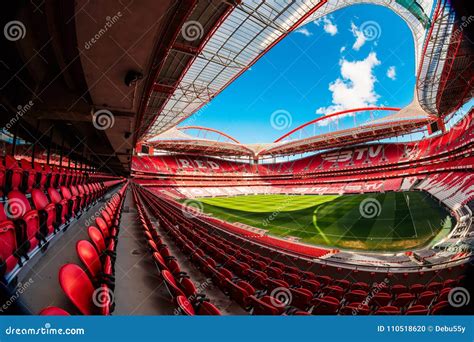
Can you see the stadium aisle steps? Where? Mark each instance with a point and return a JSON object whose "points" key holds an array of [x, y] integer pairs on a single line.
{"points": [[41, 272], [138, 288], [214, 302], [227, 306]]}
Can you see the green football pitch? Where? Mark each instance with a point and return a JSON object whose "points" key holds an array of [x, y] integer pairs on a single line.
{"points": [[390, 221]]}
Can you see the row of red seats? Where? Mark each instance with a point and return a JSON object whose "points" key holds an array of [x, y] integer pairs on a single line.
{"points": [[27, 224], [22, 175], [181, 288], [251, 279], [91, 291]]}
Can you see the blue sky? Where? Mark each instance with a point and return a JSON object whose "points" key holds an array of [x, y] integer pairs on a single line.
{"points": [[360, 55]]}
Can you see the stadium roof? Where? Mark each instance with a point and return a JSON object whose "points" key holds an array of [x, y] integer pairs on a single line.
{"points": [[397, 122], [204, 59]]}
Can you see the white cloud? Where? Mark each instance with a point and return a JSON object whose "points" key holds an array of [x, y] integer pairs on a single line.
{"points": [[328, 26], [355, 87], [304, 31], [342, 49], [360, 37], [392, 73]]}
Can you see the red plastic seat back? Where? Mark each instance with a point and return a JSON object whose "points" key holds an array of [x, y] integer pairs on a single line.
{"points": [[97, 238], [102, 225], [53, 311], [78, 288], [17, 205], [39, 199], [7, 242], [89, 257], [11, 165], [65, 192], [54, 195]]}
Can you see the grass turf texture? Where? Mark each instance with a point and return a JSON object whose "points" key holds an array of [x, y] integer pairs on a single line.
{"points": [[401, 221]]}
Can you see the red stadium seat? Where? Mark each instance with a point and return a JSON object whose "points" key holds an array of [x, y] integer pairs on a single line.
{"points": [[46, 210], [388, 310], [417, 310], [8, 245], [266, 306], [53, 311], [62, 208], [355, 309], [98, 271], [202, 308], [325, 305], [27, 221], [79, 289]]}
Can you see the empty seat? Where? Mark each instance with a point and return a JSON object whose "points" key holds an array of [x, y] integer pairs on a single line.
{"points": [[380, 299], [26, 221], [46, 210], [100, 272], [53, 311], [13, 173], [266, 305], [79, 289], [62, 207], [300, 298], [388, 310], [426, 297], [8, 245], [403, 299], [355, 309], [201, 308], [325, 306], [72, 201], [240, 292], [417, 310]]}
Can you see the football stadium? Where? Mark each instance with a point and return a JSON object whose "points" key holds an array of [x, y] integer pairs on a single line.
{"points": [[238, 158]]}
